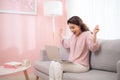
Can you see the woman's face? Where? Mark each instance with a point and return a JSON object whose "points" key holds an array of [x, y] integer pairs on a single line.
{"points": [[75, 29]]}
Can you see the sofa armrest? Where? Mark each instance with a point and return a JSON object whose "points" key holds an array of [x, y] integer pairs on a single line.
{"points": [[118, 70], [43, 55]]}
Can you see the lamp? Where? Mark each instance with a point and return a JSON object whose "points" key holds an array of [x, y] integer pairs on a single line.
{"points": [[53, 8]]}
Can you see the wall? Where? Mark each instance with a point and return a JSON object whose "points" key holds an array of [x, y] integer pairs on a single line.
{"points": [[23, 36]]}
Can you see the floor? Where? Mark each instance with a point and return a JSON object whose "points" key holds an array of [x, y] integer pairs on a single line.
{"points": [[22, 77]]}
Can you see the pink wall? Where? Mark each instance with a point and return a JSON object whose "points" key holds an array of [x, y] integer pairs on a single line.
{"points": [[23, 36]]}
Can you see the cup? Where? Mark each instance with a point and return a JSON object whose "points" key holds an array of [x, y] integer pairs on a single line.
{"points": [[26, 62]]}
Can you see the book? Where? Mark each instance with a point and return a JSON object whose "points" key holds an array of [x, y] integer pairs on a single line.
{"points": [[12, 65]]}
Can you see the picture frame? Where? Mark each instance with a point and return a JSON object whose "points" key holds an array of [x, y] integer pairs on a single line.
{"points": [[19, 6]]}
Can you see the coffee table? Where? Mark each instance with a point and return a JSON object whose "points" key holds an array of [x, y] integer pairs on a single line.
{"points": [[7, 71]]}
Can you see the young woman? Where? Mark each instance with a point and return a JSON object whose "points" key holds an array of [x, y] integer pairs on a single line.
{"points": [[80, 43]]}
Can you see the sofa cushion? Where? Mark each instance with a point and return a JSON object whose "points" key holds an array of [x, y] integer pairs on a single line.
{"points": [[42, 76], [91, 75], [107, 57], [42, 66]]}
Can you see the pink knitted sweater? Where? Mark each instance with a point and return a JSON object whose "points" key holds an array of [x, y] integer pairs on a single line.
{"points": [[80, 47]]}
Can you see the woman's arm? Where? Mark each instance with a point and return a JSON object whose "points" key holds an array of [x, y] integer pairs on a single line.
{"points": [[64, 41], [92, 40], [96, 30]]}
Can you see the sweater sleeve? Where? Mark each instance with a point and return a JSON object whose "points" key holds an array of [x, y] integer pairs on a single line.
{"points": [[92, 46], [65, 43]]}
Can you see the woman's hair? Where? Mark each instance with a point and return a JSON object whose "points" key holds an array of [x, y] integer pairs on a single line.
{"points": [[78, 21]]}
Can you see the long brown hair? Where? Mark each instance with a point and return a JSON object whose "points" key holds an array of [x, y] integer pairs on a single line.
{"points": [[78, 21]]}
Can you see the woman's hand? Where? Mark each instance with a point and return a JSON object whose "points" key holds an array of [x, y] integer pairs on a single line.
{"points": [[96, 29]]}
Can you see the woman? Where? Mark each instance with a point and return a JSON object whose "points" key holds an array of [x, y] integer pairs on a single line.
{"points": [[80, 43]]}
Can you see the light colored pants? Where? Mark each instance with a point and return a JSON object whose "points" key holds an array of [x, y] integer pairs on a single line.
{"points": [[56, 69]]}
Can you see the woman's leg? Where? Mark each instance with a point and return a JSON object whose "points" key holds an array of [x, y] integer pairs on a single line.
{"points": [[55, 71], [51, 71], [74, 67], [57, 68], [58, 71]]}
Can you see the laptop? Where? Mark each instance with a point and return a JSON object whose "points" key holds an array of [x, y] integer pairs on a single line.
{"points": [[53, 53]]}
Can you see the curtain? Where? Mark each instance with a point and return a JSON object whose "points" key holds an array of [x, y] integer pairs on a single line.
{"points": [[105, 13]]}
